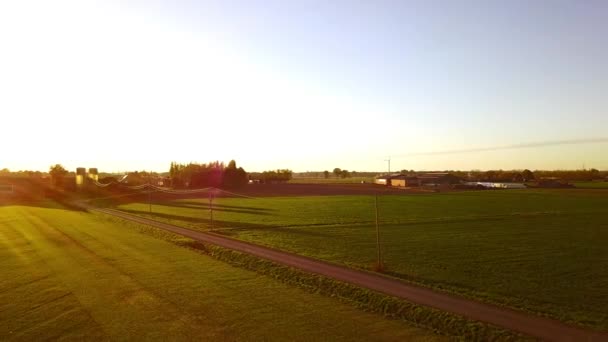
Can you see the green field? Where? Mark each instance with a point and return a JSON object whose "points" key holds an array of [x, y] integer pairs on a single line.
{"points": [[541, 250], [591, 185], [74, 275]]}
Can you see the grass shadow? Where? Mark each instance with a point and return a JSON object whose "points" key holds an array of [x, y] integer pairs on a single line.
{"points": [[229, 209], [228, 228], [49, 200], [203, 205]]}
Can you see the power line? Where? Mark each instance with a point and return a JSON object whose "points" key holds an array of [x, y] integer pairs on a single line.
{"points": [[149, 186], [509, 147]]}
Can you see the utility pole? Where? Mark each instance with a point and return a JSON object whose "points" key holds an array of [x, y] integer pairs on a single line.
{"points": [[389, 164], [150, 192], [211, 208], [379, 262]]}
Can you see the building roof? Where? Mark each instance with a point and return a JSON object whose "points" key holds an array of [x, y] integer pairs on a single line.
{"points": [[406, 177], [436, 175], [389, 176]]}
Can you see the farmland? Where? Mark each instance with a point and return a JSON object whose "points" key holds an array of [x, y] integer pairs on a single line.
{"points": [[540, 250], [332, 180], [73, 275], [591, 185]]}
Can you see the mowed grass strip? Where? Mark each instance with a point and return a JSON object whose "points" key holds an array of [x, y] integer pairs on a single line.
{"points": [[75, 275], [540, 250]]}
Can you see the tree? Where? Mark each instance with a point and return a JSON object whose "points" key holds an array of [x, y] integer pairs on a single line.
{"points": [[234, 177], [337, 172], [490, 175], [326, 174], [231, 164], [6, 171], [594, 174], [57, 173], [278, 176], [527, 175], [213, 174]]}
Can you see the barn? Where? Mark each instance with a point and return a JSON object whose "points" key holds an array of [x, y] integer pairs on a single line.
{"points": [[397, 180], [404, 181], [384, 180], [438, 178], [428, 179]]}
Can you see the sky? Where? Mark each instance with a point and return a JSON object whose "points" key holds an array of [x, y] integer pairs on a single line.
{"points": [[304, 85]]}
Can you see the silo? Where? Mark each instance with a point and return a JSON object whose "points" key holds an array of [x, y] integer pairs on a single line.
{"points": [[81, 174], [94, 174]]}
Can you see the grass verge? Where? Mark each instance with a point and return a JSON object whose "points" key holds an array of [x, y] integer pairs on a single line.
{"points": [[436, 320]]}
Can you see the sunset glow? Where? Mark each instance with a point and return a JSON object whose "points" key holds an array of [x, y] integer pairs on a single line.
{"points": [[128, 85]]}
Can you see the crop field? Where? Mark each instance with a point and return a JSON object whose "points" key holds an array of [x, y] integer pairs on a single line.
{"points": [[331, 180], [591, 185], [541, 250], [75, 275]]}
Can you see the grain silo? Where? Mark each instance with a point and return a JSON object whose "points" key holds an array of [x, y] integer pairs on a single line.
{"points": [[81, 174], [94, 174]]}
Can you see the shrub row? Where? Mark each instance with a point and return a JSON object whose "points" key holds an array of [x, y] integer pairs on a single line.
{"points": [[441, 322]]}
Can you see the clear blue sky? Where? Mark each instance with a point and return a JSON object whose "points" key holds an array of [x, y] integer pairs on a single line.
{"points": [[306, 85]]}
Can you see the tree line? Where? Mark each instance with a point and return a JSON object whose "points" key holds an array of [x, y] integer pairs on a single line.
{"points": [[213, 174], [273, 176], [525, 175], [335, 173], [217, 174]]}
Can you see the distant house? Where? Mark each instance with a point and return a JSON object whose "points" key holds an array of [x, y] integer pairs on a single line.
{"points": [[162, 181]]}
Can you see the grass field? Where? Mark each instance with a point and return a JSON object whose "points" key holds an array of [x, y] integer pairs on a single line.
{"points": [[541, 250], [591, 185], [75, 275]]}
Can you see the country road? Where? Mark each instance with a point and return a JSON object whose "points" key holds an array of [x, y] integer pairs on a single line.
{"points": [[526, 323]]}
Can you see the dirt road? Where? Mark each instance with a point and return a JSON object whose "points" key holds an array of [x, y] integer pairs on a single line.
{"points": [[540, 327]]}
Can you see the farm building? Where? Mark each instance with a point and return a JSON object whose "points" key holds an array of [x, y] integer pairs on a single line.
{"points": [[384, 180], [404, 181], [430, 178], [438, 178], [395, 179], [81, 176], [498, 185], [93, 174]]}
